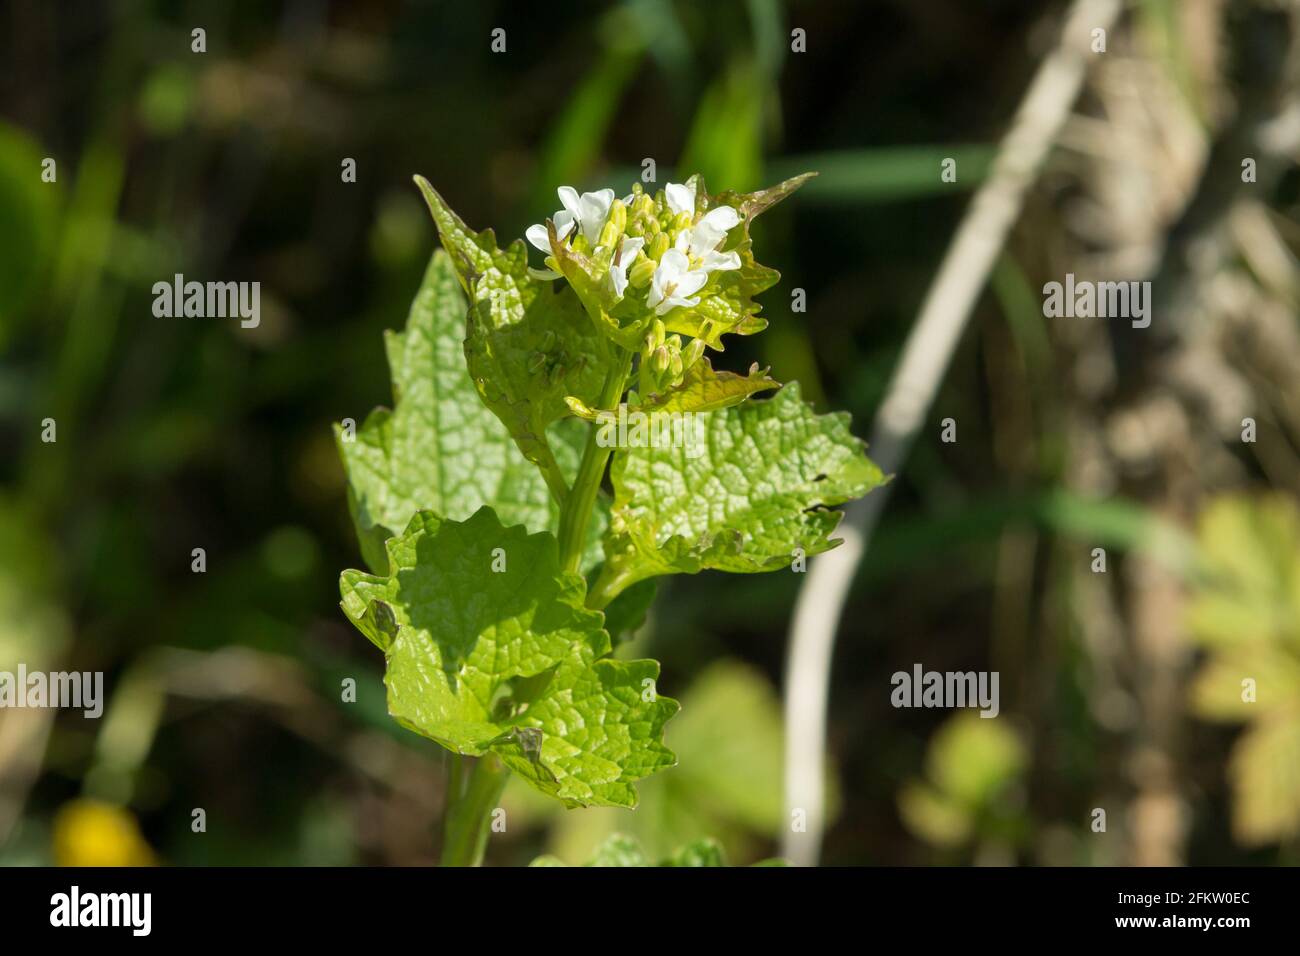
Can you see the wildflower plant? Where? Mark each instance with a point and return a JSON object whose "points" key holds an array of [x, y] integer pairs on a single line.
{"points": [[502, 574]]}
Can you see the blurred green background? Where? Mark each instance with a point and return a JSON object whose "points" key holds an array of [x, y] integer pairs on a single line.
{"points": [[1119, 689]]}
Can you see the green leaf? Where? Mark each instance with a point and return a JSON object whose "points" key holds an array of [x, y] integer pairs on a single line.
{"points": [[509, 661], [727, 784], [743, 500], [528, 343], [439, 448], [749, 205], [704, 390]]}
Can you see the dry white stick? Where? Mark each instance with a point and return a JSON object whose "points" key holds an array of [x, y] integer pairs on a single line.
{"points": [[961, 277]]}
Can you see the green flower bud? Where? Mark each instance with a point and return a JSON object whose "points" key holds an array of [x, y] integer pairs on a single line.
{"points": [[658, 331], [675, 368], [691, 354], [658, 246], [535, 362], [674, 342], [659, 360], [612, 231], [641, 273]]}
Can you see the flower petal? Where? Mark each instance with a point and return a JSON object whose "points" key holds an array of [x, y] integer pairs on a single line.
{"points": [[571, 202], [719, 261], [655, 295], [690, 283], [628, 249], [720, 219], [539, 237], [674, 302], [563, 223], [681, 197], [624, 257], [672, 265], [618, 278], [594, 211]]}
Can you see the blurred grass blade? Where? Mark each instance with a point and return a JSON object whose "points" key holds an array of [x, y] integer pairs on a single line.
{"points": [[1111, 523], [578, 134], [885, 174], [769, 36], [725, 141]]}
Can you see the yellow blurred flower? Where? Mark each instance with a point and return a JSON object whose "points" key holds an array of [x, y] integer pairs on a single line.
{"points": [[91, 833]]}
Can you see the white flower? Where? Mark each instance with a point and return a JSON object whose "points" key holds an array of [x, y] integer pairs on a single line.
{"points": [[625, 256], [589, 211], [711, 261], [681, 197], [673, 282], [700, 242], [706, 234], [539, 237]]}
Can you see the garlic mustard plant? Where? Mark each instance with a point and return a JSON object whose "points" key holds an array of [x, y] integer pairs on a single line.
{"points": [[502, 573]]}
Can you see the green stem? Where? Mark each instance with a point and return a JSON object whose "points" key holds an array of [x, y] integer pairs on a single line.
{"points": [[554, 480], [576, 513], [607, 587], [470, 803]]}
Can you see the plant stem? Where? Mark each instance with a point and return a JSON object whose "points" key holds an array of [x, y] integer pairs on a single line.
{"points": [[576, 513], [554, 480], [606, 587], [470, 803]]}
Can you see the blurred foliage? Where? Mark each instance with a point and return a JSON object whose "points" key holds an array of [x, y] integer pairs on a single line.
{"points": [[972, 765], [1246, 613]]}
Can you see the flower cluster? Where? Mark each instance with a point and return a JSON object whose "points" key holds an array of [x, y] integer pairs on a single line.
{"points": [[641, 258]]}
